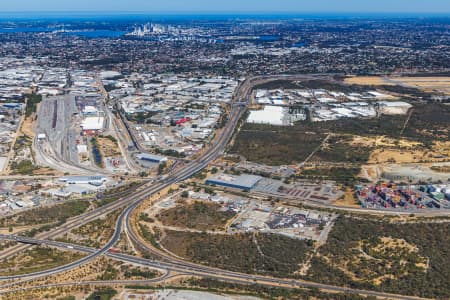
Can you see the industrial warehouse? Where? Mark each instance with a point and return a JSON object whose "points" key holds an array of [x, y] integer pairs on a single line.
{"points": [[224, 157], [285, 107], [93, 180], [151, 158], [243, 182]]}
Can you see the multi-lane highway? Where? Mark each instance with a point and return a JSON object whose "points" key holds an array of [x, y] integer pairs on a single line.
{"points": [[134, 199], [182, 268], [131, 202]]}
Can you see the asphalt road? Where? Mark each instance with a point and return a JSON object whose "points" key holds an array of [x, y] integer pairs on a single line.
{"points": [[183, 268], [132, 201]]}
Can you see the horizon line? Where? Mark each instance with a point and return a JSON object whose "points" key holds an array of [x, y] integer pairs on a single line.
{"points": [[102, 12]]}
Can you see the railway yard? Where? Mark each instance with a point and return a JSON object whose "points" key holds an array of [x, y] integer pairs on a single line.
{"points": [[202, 197], [200, 180], [235, 156]]}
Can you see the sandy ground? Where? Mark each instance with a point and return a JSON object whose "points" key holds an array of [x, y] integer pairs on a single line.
{"points": [[428, 84], [108, 147], [28, 126], [349, 199], [402, 151], [389, 152], [414, 172], [397, 156], [181, 295], [367, 80], [439, 153], [388, 242], [46, 172], [382, 141]]}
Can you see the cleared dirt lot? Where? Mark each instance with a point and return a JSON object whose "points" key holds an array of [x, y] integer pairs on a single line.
{"points": [[367, 80], [428, 84], [108, 146], [389, 150], [28, 126], [348, 199]]}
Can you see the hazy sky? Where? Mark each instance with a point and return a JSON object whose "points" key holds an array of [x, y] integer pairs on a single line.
{"points": [[244, 6]]}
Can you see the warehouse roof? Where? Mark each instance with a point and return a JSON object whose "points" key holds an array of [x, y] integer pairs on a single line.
{"points": [[395, 104], [83, 178], [152, 157], [270, 115], [92, 123], [90, 109], [241, 181]]}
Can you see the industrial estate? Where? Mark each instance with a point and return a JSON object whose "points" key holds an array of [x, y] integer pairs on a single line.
{"points": [[225, 158]]}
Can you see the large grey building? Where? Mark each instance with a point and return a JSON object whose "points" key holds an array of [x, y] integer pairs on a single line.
{"points": [[243, 182]]}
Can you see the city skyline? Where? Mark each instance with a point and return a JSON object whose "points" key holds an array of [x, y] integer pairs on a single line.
{"points": [[200, 149]]}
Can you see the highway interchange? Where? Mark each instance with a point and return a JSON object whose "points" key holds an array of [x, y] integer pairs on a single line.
{"points": [[181, 267], [132, 201]]}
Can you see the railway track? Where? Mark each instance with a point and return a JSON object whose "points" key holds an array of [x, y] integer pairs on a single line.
{"points": [[165, 261]]}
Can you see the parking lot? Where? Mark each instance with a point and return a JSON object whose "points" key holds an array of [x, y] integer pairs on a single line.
{"points": [[324, 193]]}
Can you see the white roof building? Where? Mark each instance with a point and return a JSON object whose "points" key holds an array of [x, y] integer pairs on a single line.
{"points": [[82, 149], [93, 123], [90, 110], [270, 115], [394, 107], [109, 74], [93, 180], [378, 95], [53, 92]]}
